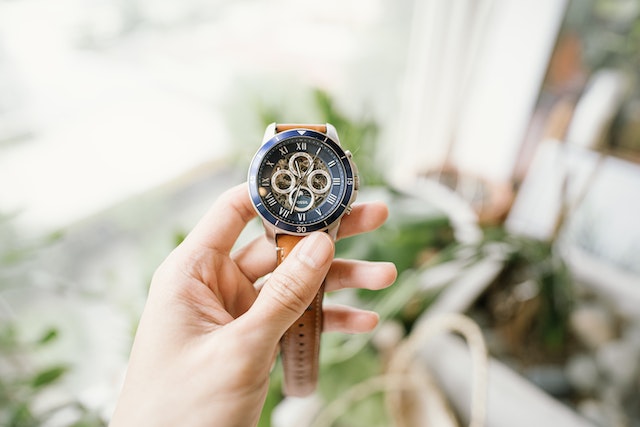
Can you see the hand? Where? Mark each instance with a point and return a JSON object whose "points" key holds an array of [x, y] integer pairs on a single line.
{"points": [[207, 338]]}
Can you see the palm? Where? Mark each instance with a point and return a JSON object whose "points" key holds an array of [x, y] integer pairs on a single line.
{"points": [[216, 290]]}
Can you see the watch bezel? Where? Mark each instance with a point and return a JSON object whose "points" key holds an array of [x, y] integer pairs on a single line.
{"points": [[343, 203]]}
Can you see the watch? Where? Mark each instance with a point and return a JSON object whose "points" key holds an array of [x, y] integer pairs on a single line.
{"points": [[301, 181]]}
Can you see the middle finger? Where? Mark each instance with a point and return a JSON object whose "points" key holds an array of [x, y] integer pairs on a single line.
{"points": [[258, 258], [360, 274]]}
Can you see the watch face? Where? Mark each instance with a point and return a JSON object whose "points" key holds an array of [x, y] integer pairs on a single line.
{"points": [[301, 181]]}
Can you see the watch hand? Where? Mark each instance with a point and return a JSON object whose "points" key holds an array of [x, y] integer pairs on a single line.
{"points": [[300, 182], [297, 168], [313, 161], [297, 194]]}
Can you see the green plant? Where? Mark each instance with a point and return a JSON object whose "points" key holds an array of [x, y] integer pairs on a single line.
{"points": [[530, 301], [25, 383], [21, 383], [304, 105], [359, 136]]}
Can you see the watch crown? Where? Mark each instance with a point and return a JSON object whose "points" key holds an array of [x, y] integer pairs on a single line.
{"points": [[348, 153]]}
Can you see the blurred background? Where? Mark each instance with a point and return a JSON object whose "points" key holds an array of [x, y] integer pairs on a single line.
{"points": [[505, 137]]}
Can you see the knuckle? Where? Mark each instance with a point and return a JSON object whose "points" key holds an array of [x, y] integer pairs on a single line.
{"points": [[288, 291]]}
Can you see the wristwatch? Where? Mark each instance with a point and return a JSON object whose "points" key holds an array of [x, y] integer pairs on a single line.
{"points": [[301, 181]]}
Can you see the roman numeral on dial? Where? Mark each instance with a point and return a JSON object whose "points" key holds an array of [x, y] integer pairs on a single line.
{"points": [[270, 199], [284, 212]]}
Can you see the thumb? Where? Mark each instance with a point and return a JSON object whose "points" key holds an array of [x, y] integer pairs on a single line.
{"points": [[292, 286]]}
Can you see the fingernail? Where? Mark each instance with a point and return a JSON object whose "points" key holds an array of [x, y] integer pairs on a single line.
{"points": [[315, 250]]}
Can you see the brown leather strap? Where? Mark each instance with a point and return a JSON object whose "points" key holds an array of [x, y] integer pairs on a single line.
{"points": [[300, 345], [281, 127]]}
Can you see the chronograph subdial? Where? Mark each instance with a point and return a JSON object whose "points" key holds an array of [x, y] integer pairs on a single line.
{"points": [[319, 181], [283, 181], [300, 164]]}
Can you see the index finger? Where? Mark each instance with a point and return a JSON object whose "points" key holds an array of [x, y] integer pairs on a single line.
{"points": [[222, 224], [257, 258], [363, 218]]}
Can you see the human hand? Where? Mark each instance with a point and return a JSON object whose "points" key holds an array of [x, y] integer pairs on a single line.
{"points": [[207, 338]]}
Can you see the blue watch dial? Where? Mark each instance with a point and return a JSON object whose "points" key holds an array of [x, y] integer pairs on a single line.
{"points": [[301, 181]]}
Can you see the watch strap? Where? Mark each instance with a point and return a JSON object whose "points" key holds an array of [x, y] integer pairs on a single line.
{"points": [[300, 345], [281, 127]]}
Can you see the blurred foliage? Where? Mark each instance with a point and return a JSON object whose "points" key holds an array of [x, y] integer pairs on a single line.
{"points": [[21, 383], [416, 245], [337, 378], [359, 136], [403, 240], [303, 105], [25, 384], [530, 301], [609, 31]]}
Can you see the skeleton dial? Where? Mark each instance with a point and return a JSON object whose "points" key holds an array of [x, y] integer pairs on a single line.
{"points": [[301, 183]]}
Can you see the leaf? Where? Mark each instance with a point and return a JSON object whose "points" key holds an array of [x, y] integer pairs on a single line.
{"points": [[48, 376], [89, 420], [8, 337], [338, 378], [21, 416], [178, 237], [49, 336]]}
